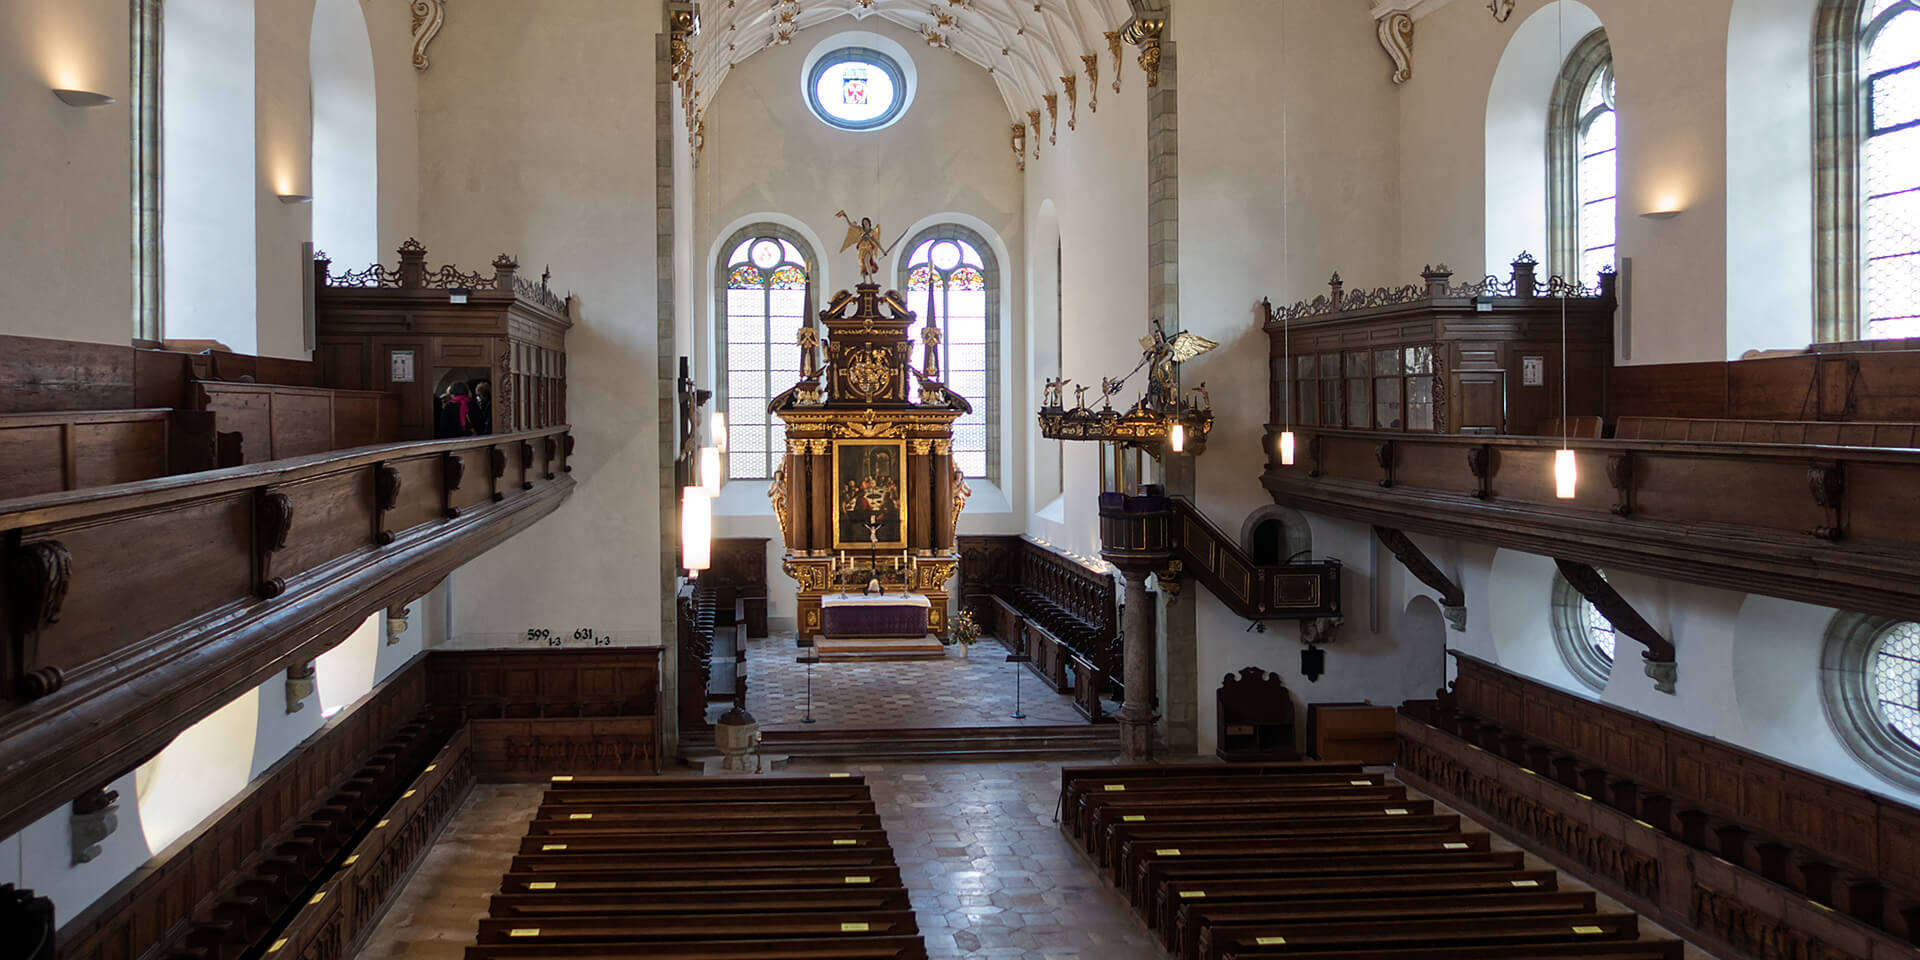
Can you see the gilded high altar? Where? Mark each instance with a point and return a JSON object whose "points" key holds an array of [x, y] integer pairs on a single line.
{"points": [[868, 489]]}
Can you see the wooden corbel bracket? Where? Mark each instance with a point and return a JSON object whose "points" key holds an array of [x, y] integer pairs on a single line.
{"points": [[1313, 456], [1828, 484], [550, 448], [496, 469], [272, 521], [386, 496], [1480, 464], [36, 576], [526, 465], [1620, 477], [1659, 654], [1383, 454], [452, 474], [1453, 600]]}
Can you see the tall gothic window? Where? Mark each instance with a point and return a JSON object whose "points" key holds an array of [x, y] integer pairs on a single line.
{"points": [[951, 271], [1583, 162], [763, 282], [1867, 174], [1890, 166]]}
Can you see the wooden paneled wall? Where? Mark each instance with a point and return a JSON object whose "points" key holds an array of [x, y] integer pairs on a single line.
{"points": [[39, 375], [160, 898], [47, 452], [549, 711]]}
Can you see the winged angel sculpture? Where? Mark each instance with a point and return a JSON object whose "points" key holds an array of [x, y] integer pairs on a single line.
{"points": [[1163, 356], [865, 238]]}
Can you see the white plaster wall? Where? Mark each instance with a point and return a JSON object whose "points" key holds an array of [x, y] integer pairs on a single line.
{"points": [[283, 142], [346, 157], [64, 171], [1769, 175], [396, 88], [768, 158], [209, 225], [537, 138]]}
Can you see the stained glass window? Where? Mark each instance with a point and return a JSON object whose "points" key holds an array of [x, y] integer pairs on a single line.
{"points": [[765, 303], [1595, 179], [1890, 168], [855, 88], [951, 274]]}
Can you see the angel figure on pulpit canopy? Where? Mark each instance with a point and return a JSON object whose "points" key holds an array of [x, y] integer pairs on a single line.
{"points": [[1163, 356], [865, 238]]}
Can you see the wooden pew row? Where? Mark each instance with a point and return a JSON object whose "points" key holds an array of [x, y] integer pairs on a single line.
{"points": [[1286, 859], [77, 449], [276, 421], [771, 867], [1803, 432]]}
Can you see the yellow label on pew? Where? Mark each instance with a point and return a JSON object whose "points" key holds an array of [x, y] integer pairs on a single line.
{"points": [[579, 816], [277, 944], [859, 879], [381, 825], [1588, 929], [1360, 783], [541, 885], [1167, 852], [430, 768], [1193, 894], [1453, 846], [524, 932], [1526, 883], [409, 793], [552, 846], [562, 778], [322, 895], [838, 776], [1269, 941], [853, 928], [1134, 818], [1116, 788], [844, 842], [350, 861], [1396, 811]]}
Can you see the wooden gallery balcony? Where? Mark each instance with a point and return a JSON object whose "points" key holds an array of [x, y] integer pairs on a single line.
{"points": [[1436, 409]]}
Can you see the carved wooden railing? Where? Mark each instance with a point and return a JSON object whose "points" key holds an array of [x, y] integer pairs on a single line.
{"points": [[1185, 542], [134, 610], [1051, 607], [1826, 525], [1709, 838], [538, 712]]}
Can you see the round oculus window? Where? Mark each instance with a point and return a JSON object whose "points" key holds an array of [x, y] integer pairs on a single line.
{"points": [[856, 88]]}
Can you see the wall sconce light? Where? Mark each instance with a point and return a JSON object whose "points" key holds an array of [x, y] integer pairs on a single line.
{"points": [[82, 98], [292, 199], [710, 470], [696, 529], [1661, 214]]}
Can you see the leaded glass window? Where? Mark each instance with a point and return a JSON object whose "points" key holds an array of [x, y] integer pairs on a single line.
{"points": [[1583, 635], [765, 287], [1890, 168], [1895, 666], [951, 278], [1870, 686], [1583, 164], [1595, 178]]}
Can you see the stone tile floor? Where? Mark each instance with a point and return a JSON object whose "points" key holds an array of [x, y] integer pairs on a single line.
{"points": [[990, 874], [974, 692]]}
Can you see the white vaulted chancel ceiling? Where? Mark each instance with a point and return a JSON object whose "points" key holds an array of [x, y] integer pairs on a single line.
{"points": [[1027, 45]]}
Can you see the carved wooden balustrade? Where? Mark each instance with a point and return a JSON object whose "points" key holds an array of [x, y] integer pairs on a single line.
{"points": [[132, 611], [1709, 838], [1826, 525], [1051, 607], [1181, 540]]}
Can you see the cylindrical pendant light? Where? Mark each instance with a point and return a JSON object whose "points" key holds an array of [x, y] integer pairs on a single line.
{"points": [[1564, 474], [696, 529], [1286, 448], [1179, 438], [710, 470], [717, 430]]}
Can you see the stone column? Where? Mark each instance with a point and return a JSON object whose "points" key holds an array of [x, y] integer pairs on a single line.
{"points": [[1136, 715]]}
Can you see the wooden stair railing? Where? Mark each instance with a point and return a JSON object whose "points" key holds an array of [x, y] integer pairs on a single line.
{"points": [[1186, 543]]}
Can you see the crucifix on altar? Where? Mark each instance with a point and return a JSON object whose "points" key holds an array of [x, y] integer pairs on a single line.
{"points": [[868, 496]]}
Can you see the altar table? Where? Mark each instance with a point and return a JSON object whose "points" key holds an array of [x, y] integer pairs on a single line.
{"points": [[861, 615]]}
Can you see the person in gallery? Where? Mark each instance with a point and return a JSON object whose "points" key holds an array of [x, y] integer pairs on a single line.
{"points": [[454, 412], [482, 406]]}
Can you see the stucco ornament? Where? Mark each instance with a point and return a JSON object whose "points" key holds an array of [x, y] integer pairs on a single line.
{"points": [[1396, 37], [1501, 9], [428, 16]]}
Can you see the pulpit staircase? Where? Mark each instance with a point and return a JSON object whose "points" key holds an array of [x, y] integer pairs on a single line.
{"points": [[1171, 538]]}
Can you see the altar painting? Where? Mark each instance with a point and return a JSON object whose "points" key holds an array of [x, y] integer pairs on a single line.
{"points": [[870, 486]]}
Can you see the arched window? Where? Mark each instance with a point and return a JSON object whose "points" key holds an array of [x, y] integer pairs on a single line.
{"points": [[1867, 141], [763, 300], [1582, 179], [951, 277], [1870, 682], [1583, 635], [346, 169]]}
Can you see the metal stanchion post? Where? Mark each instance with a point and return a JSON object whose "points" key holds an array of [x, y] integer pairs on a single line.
{"points": [[809, 658], [1017, 659]]}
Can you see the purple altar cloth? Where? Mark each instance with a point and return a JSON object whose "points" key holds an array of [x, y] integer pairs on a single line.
{"points": [[871, 616]]}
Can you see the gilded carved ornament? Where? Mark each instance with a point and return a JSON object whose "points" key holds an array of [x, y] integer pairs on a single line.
{"points": [[1113, 45], [1396, 37], [1018, 141], [1033, 123], [1069, 83], [1092, 63], [1053, 117], [428, 16], [777, 492], [1145, 34], [1501, 9]]}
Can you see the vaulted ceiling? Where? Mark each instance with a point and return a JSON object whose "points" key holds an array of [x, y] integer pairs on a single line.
{"points": [[1027, 45]]}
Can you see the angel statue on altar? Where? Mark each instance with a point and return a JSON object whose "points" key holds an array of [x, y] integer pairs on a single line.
{"points": [[864, 237]]}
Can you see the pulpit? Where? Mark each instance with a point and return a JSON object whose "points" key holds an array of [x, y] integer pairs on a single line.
{"points": [[868, 495]]}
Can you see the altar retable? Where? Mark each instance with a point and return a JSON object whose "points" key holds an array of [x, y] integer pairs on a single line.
{"points": [[868, 494]]}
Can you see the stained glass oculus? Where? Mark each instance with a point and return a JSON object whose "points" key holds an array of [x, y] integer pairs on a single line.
{"points": [[855, 88]]}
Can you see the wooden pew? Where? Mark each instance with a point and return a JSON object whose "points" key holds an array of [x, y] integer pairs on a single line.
{"points": [[1813, 432], [76, 449], [684, 927], [1097, 809], [668, 825], [555, 903], [704, 881], [1286, 939], [1212, 930], [824, 948], [709, 842], [1119, 836], [1602, 950], [1197, 903], [278, 421], [1143, 869], [1178, 881]]}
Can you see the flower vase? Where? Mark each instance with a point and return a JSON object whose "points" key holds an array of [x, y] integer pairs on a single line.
{"points": [[964, 647]]}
